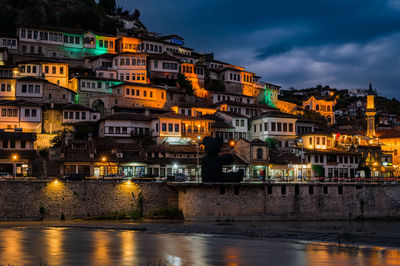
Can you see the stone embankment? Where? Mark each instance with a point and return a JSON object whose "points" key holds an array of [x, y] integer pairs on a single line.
{"points": [[34, 200]]}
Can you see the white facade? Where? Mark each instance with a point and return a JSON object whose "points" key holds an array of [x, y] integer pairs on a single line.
{"points": [[30, 89]]}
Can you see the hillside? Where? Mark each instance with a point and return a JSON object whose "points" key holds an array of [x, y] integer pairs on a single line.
{"points": [[79, 14]]}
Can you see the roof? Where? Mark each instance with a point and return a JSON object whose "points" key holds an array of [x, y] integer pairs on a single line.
{"points": [[230, 93], [180, 116], [253, 105], [166, 37], [143, 85], [232, 114], [129, 117], [279, 157], [97, 78], [275, 113], [16, 135], [200, 103], [39, 61], [331, 151], [163, 56], [221, 124], [173, 148], [18, 103]]}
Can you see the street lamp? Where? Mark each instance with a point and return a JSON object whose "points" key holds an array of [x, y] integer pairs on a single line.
{"points": [[301, 159], [15, 158], [198, 163]]}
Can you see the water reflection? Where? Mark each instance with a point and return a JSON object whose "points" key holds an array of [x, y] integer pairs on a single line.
{"points": [[72, 246], [54, 237]]}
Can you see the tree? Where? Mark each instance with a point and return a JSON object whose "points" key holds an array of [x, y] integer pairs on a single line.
{"points": [[185, 84], [271, 143], [136, 14], [109, 6]]}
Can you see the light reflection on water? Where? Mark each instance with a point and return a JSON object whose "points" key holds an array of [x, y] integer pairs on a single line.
{"points": [[79, 246]]}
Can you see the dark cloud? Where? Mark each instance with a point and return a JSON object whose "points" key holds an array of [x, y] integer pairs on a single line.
{"points": [[293, 43]]}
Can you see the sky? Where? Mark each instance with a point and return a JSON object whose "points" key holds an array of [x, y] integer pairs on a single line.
{"points": [[292, 43]]}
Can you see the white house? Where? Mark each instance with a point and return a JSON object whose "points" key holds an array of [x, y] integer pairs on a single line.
{"points": [[276, 125]]}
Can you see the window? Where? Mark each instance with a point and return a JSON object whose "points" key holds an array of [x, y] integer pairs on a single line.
{"points": [[310, 140], [176, 127], [77, 115], [170, 127], [5, 144], [273, 126], [33, 113], [62, 70], [164, 127], [37, 88], [27, 112], [155, 64], [279, 126], [317, 141], [46, 69], [30, 88], [77, 40], [255, 128], [259, 153], [110, 130], [237, 122], [290, 127], [65, 115], [127, 91], [242, 123], [53, 70], [83, 115], [23, 144]]}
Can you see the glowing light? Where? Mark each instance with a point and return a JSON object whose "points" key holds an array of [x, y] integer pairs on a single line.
{"points": [[232, 143], [104, 159], [175, 166], [128, 182], [14, 157], [56, 182]]}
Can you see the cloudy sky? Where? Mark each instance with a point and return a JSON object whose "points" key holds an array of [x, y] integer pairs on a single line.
{"points": [[292, 43]]}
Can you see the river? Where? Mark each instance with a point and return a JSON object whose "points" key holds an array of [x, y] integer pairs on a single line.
{"points": [[25, 244]]}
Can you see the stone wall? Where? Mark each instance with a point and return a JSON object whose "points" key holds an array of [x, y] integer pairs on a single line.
{"points": [[205, 202], [23, 199]]}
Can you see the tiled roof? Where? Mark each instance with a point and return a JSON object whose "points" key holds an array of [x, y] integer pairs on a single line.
{"points": [[221, 124], [274, 113], [232, 114], [283, 158], [143, 85], [128, 117], [18, 103], [251, 105], [16, 135], [164, 56]]}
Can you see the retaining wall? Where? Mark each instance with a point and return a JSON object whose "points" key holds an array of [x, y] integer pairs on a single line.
{"points": [[23, 199], [205, 202]]}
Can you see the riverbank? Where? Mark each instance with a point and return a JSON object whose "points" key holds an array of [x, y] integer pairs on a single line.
{"points": [[352, 233]]}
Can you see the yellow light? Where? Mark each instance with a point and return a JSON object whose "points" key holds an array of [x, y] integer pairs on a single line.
{"points": [[15, 157], [56, 181], [104, 158], [128, 182], [232, 143]]}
